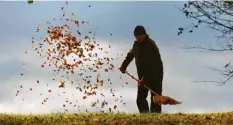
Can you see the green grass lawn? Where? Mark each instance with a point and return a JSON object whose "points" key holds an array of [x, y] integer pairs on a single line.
{"points": [[118, 119]]}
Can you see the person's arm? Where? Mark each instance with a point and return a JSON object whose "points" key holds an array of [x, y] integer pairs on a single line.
{"points": [[128, 59]]}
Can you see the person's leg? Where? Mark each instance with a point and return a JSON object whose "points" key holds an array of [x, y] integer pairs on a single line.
{"points": [[155, 108], [157, 87], [141, 99]]}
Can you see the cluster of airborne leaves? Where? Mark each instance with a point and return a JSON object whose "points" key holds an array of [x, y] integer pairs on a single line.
{"points": [[66, 49]]}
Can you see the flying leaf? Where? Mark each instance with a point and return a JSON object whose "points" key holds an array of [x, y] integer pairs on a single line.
{"points": [[101, 82], [106, 70], [38, 28], [30, 1], [62, 84], [84, 97]]}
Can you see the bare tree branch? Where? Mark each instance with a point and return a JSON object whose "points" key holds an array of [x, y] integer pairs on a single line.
{"points": [[209, 49], [217, 15], [219, 82]]}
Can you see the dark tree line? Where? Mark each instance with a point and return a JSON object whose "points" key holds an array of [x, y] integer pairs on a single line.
{"points": [[217, 15]]}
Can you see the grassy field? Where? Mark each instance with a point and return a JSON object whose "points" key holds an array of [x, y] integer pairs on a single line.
{"points": [[118, 119]]}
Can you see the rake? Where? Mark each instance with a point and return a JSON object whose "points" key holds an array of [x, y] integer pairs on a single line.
{"points": [[158, 99]]}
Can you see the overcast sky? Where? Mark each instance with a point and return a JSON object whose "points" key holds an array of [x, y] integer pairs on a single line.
{"points": [[161, 20]]}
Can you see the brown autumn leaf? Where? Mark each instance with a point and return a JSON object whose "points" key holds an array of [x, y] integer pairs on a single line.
{"points": [[45, 100], [99, 63], [30, 1], [62, 84], [101, 82], [106, 70], [84, 97], [38, 28], [89, 93]]}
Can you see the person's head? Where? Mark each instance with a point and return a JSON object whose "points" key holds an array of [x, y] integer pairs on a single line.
{"points": [[140, 33]]}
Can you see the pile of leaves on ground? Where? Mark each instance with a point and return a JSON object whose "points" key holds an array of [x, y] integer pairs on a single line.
{"points": [[118, 119]]}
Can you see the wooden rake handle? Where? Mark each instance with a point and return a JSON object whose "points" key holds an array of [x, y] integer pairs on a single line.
{"points": [[143, 84]]}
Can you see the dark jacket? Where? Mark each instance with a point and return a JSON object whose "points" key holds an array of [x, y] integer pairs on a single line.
{"points": [[147, 58]]}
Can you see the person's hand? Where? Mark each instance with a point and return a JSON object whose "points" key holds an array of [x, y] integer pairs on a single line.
{"points": [[122, 69], [140, 81]]}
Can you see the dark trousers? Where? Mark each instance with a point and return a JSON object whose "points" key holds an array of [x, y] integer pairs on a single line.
{"points": [[142, 94]]}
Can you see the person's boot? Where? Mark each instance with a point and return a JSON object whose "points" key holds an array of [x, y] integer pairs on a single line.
{"points": [[155, 108], [142, 103]]}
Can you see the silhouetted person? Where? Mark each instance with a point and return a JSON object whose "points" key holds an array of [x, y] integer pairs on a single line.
{"points": [[149, 66]]}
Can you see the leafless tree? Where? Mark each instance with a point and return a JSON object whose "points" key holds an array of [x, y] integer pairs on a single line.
{"points": [[218, 15]]}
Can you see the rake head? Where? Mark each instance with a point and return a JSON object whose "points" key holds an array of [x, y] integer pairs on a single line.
{"points": [[165, 100]]}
